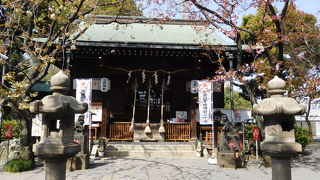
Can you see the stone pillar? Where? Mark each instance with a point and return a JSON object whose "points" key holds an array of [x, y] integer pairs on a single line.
{"points": [[281, 168], [57, 145], [55, 169], [278, 118]]}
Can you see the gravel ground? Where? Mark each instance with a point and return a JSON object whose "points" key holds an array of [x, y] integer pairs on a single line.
{"points": [[306, 167]]}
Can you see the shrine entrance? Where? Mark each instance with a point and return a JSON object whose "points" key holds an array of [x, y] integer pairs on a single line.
{"points": [[142, 104], [143, 101]]}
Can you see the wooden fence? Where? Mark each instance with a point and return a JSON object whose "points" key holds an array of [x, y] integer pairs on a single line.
{"points": [[120, 131], [174, 131], [178, 131], [208, 138]]}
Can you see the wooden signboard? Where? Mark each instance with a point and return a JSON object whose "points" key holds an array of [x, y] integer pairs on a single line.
{"points": [[8, 131], [256, 133]]}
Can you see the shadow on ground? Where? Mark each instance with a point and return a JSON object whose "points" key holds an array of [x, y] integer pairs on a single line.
{"points": [[309, 159]]}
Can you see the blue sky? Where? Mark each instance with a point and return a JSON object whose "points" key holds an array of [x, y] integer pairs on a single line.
{"points": [[308, 6]]}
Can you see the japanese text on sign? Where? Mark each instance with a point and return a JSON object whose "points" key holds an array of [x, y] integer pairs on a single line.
{"points": [[205, 102]]}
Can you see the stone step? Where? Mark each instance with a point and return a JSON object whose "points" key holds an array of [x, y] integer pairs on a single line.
{"points": [[151, 147], [175, 150], [170, 154]]}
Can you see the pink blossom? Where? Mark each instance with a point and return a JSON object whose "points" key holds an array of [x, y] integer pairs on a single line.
{"points": [[275, 17], [231, 34], [260, 50], [267, 31], [270, 1]]}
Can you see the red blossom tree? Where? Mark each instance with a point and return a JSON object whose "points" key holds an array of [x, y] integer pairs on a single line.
{"points": [[282, 40]]}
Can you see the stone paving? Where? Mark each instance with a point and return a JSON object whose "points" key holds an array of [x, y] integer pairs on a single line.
{"points": [[306, 167]]}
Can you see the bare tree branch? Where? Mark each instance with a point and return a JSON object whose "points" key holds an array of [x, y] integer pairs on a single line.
{"points": [[44, 45], [224, 20], [80, 33], [219, 4], [284, 10], [39, 77], [248, 31], [211, 21], [279, 30], [76, 14]]}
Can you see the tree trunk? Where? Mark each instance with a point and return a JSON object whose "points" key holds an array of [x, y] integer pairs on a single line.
{"points": [[239, 50], [253, 101], [251, 95], [308, 121], [26, 141]]}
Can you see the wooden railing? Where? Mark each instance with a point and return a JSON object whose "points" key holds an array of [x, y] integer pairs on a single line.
{"points": [[208, 136], [174, 131], [120, 131], [178, 131]]}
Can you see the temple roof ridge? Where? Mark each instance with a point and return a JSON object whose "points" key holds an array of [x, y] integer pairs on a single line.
{"points": [[132, 31], [106, 19]]}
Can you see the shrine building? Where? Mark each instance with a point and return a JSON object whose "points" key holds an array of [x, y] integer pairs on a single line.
{"points": [[148, 66]]}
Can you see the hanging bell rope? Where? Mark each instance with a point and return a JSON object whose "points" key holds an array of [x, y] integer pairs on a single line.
{"points": [[131, 129], [148, 129], [161, 128]]}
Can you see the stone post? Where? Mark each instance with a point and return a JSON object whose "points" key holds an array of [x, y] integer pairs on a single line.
{"points": [[278, 118], [56, 144]]}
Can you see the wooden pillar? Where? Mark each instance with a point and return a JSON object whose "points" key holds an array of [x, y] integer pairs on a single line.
{"points": [[193, 116], [104, 122], [105, 116], [193, 122]]}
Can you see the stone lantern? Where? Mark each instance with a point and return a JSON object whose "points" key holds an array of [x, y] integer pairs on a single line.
{"points": [[56, 144], [278, 118]]}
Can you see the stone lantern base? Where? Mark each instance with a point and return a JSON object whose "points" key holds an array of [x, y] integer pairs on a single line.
{"points": [[49, 151], [55, 157], [284, 148], [79, 162], [226, 160], [281, 154]]}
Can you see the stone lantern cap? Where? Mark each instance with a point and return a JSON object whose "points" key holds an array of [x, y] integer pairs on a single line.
{"points": [[57, 104], [60, 82], [277, 103]]}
